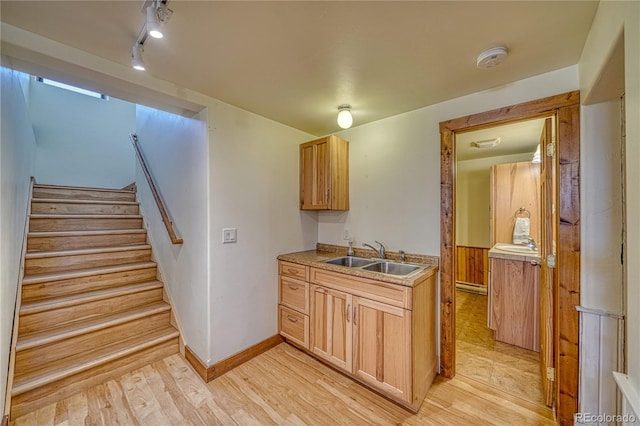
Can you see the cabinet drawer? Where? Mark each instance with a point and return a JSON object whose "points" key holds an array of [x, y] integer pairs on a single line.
{"points": [[294, 270], [294, 294], [294, 326]]}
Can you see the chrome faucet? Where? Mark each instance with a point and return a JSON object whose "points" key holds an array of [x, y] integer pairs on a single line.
{"points": [[531, 244], [381, 251]]}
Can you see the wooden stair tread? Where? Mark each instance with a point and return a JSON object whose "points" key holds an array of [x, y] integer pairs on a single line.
{"points": [[85, 216], [79, 273], [37, 234], [56, 334], [82, 201], [78, 299], [87, 360], [80, 188], [77, 252]]}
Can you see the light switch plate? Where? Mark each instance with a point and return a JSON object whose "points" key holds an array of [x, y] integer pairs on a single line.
{"points": [[229, 235]]}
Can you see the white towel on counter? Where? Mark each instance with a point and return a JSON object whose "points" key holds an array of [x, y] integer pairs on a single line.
{"points": [[521, 230]]}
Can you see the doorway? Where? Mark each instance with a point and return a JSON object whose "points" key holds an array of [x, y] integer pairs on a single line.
{"points": [[498, 185], [566, 288]]}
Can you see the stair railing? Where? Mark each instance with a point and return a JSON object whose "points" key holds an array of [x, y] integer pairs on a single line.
{"points": [[154, 190]]}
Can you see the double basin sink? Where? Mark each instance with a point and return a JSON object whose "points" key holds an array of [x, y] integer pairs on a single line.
{"points": [[382, 266]]}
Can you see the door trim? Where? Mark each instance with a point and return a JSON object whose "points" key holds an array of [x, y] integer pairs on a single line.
{"points": [[566, 108]]}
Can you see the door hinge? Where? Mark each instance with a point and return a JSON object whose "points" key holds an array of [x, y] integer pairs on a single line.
{"points": [[551, 374], [551, 261], [551, 149]]}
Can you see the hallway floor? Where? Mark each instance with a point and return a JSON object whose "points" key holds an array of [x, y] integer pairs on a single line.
{"points": [[479, 356]]}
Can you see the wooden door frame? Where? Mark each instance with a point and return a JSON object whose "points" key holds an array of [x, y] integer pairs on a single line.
{"points": [[566, 108]]}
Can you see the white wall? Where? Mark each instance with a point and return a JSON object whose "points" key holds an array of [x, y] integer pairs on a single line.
{"points": [[473, 203], [81, 140], [254, 188], [601, 208], [17, 155], [176, 149], [395, 167], [611, 19]]}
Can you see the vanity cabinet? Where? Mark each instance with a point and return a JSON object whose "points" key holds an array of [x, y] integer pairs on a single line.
{"points": [[378, 333], [324, 174], [514, 300]]}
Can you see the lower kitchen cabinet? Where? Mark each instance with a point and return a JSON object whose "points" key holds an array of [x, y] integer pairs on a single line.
{"points": [[380, 334], [331, 331], [382, 347]]}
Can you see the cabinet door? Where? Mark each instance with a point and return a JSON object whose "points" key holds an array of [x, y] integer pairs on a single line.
{"points": [[314, 175], [382, 347], [331, 331]]}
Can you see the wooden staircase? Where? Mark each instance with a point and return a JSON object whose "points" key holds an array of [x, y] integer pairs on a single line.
{"points": [[92, 307]]}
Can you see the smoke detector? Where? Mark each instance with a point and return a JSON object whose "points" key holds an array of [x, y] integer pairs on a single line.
{"points": [[492, 57]]}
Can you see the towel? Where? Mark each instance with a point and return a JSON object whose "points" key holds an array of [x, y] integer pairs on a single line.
{"points": [[521, 230]]}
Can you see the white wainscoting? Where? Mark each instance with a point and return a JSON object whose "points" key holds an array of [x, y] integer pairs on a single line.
{"points": [[601, 353]]}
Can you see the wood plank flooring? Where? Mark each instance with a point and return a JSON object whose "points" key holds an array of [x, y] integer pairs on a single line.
{"points": [[479, 356], [282, 386]]}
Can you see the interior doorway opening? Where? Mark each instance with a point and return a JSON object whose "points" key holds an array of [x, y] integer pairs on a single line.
{"points": [[564, 268], [498, 204]]}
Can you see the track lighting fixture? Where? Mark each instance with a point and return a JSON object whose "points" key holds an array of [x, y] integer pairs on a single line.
{"points": [[136, 57], [345, 119], [153, 23], [157, 15]]}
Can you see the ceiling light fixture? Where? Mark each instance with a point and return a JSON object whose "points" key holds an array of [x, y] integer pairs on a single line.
{"points": [[158, 15], [153, 23], [492, 57], [345, 119], [136, 57], [487, 143]]}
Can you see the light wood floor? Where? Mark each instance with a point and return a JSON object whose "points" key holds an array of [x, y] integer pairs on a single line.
{"points": [[479, 356], [283, 386]]}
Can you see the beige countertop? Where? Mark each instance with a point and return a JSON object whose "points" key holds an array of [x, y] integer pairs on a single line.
{"points": [[497, 253], [314, 259]]}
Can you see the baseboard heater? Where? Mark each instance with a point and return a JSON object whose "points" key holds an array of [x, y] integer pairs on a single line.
{"points": [[471, 287]]}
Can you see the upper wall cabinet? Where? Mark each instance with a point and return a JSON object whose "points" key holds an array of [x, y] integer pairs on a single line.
{"points": [[324, 174]]}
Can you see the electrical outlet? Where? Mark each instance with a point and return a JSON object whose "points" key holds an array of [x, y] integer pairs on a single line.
{"points": [[229, 235], [346, 234]]}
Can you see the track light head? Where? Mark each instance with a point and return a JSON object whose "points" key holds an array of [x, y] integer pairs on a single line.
{"points": [[154, 24], [136, 57]]}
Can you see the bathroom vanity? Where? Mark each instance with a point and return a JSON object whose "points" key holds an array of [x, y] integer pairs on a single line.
{"points": [[514, 295]]}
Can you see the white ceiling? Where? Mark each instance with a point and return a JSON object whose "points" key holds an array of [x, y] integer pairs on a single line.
{"points": [[296, 62]]}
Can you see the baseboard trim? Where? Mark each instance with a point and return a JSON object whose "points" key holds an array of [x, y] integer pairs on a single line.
{"points": [[219, 368]]}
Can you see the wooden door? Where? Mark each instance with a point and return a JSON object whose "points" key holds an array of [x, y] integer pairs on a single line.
{"points": [[314, 175], [331, 329], [547, 248], [382, 347]]}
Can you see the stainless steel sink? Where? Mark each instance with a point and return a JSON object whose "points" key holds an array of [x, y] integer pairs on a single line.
{"points": [[392, 268], [350, 261]]}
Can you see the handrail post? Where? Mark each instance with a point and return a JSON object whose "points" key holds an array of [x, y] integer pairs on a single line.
{"points": [[154, 190]]}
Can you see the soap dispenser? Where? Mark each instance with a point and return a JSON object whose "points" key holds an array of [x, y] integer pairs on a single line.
{"points": [[350, 249]]}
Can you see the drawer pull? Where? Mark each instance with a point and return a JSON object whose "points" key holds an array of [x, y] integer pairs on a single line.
{"points": [[292, 319], [292, 271], [346, 312], [292, 287], [355, 310]]}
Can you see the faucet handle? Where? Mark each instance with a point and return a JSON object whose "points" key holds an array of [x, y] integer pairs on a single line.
{"points": [[403, 256]]}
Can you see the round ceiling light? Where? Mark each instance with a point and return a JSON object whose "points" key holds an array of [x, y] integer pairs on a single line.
{"points": [[492, 57], [345, 119]]}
